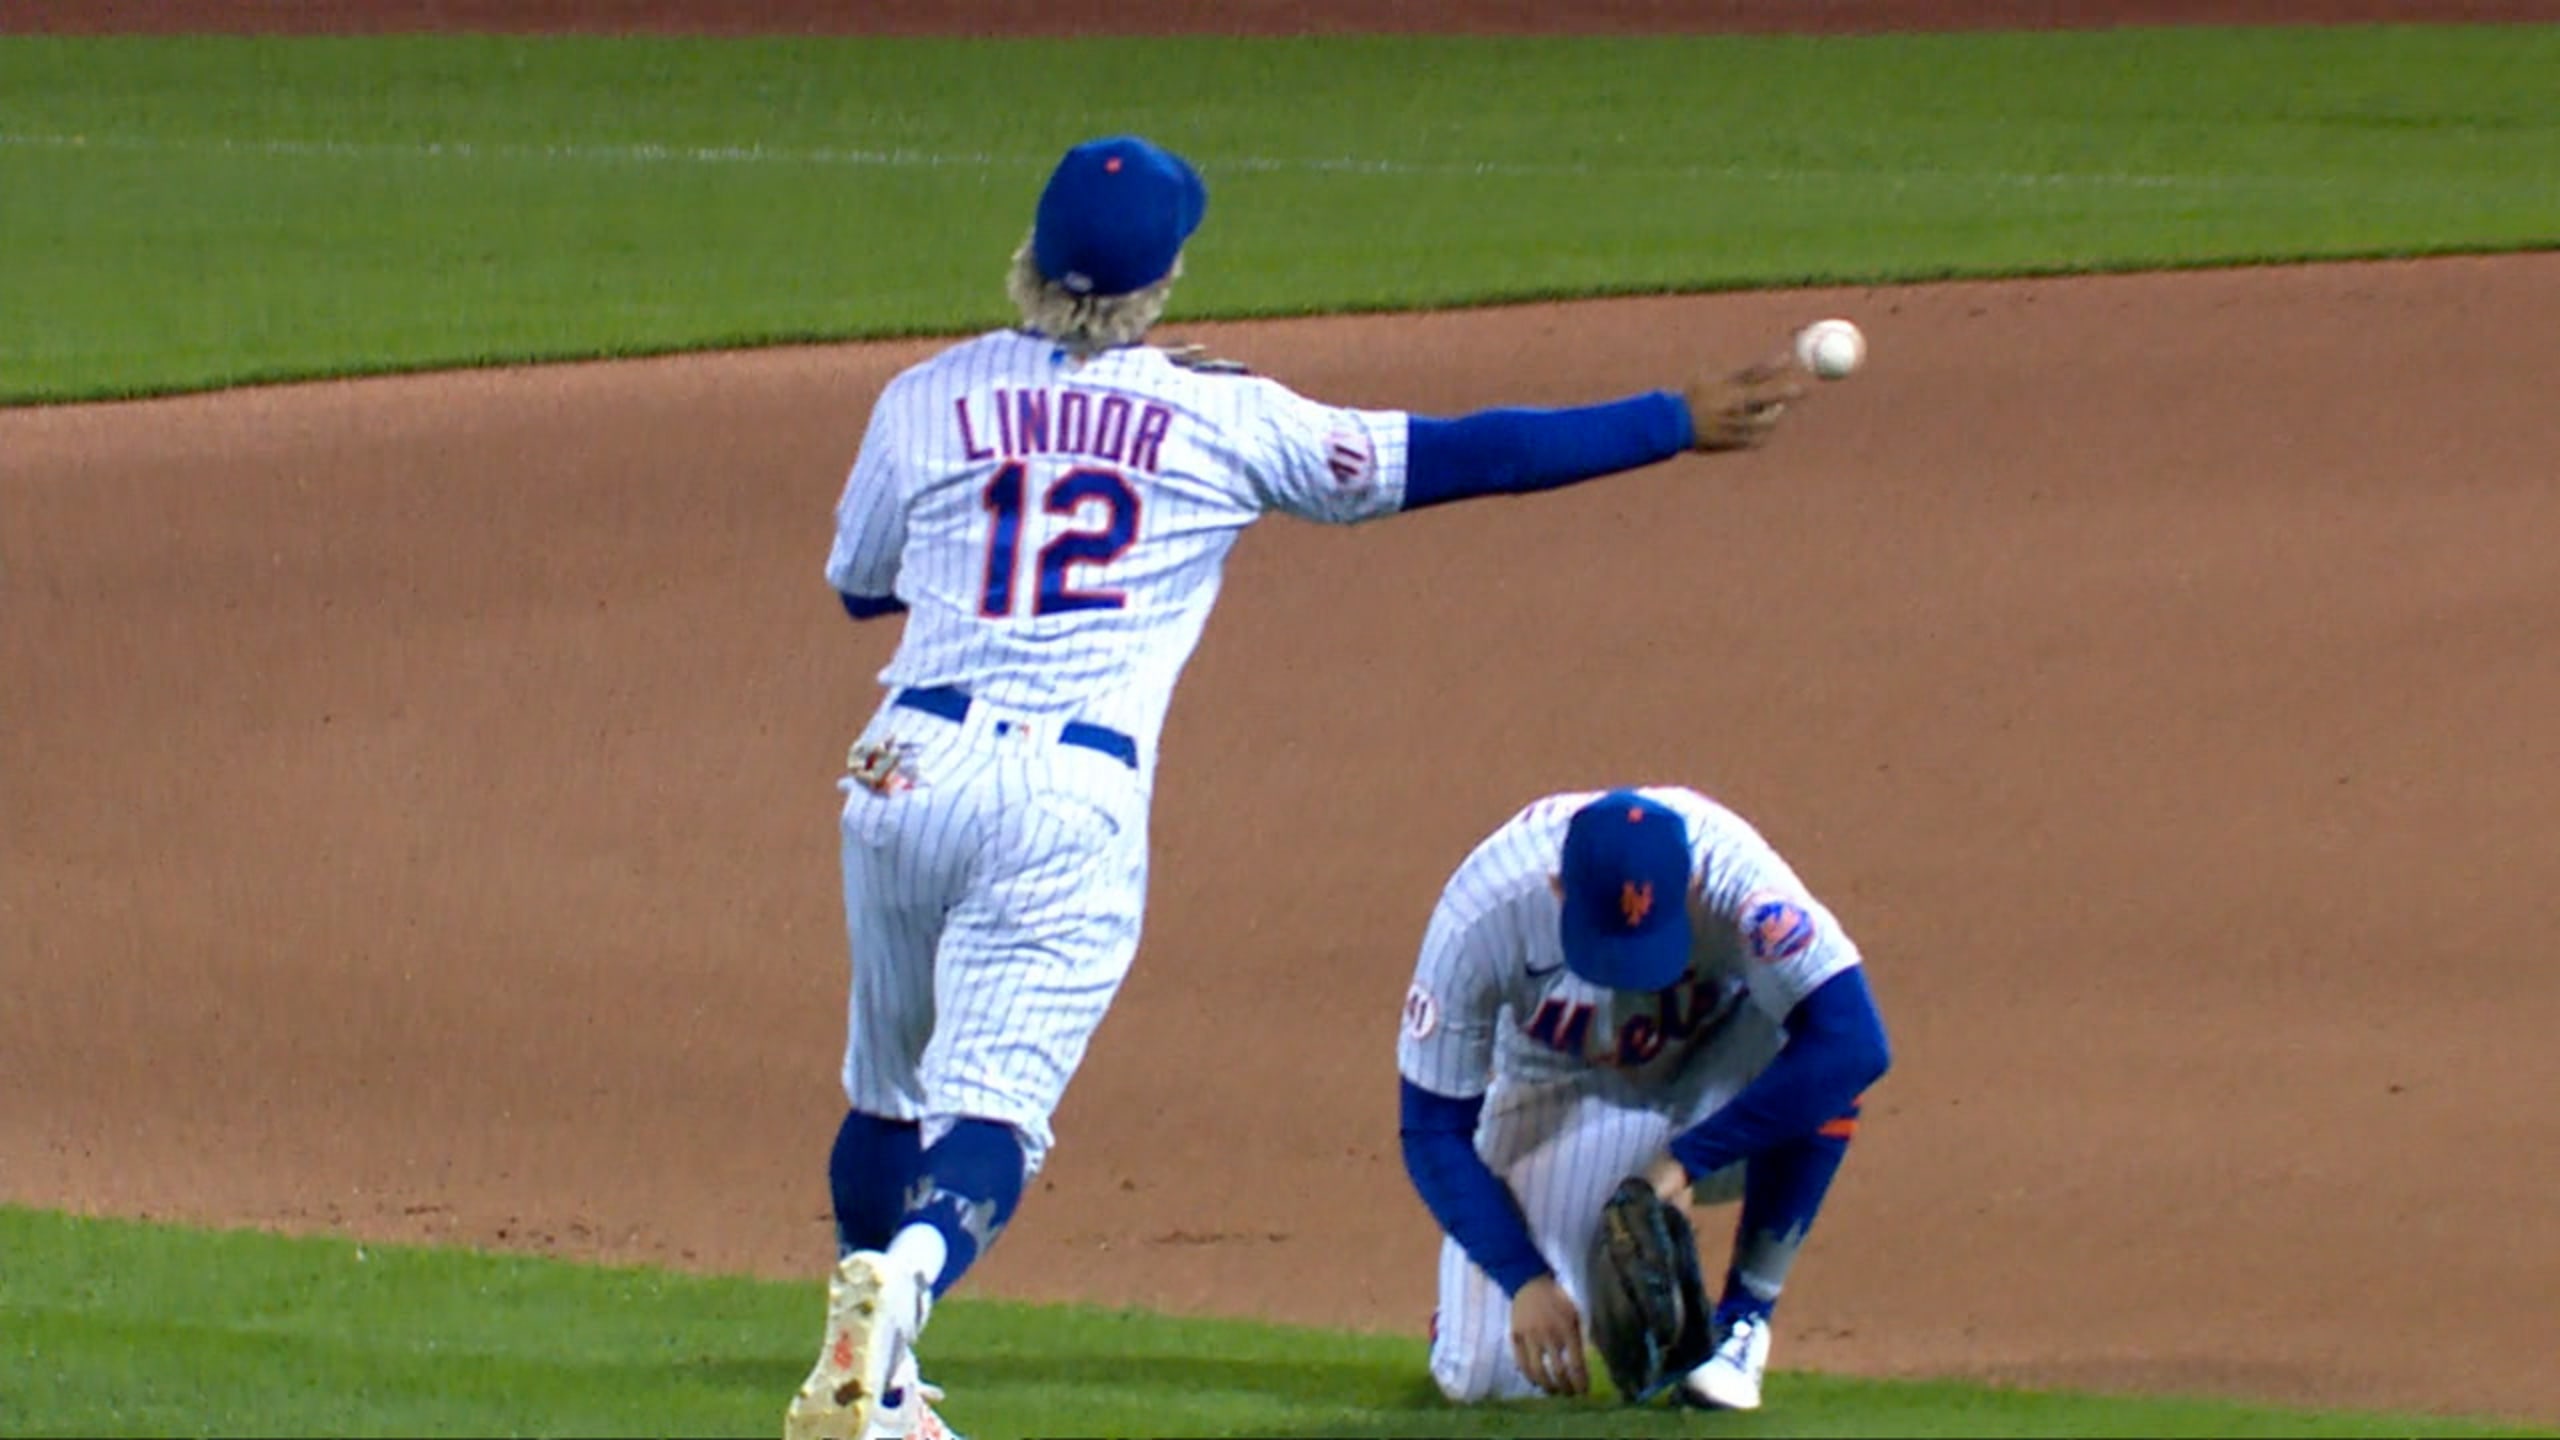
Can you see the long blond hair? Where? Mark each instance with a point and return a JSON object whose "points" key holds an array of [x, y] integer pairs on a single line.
{"points": [[1085, 324]]}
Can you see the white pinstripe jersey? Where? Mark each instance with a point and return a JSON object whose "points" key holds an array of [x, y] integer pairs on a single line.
{"points": [[1058, 529], [1491, 993]]}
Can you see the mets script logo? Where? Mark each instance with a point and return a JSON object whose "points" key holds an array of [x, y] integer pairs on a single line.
{"points": [[1635, 902], [1775, 927]]}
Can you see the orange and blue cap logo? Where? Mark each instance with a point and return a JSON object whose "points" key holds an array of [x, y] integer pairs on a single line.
{"points": [[1635, 901]]}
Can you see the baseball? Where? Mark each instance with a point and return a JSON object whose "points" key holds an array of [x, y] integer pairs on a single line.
{"points": [[1832, 349]]}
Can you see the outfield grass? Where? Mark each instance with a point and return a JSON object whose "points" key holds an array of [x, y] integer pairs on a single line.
{"points": [[120, 1328], [181, 213]]}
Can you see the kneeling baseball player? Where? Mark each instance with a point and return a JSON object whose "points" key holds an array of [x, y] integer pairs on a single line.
{"points": [[1625, 1003]]}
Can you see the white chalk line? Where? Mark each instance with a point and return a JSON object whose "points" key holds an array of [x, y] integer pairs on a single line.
{"points": [[658, 153]]}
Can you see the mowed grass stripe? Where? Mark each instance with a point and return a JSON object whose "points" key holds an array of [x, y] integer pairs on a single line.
{"points": [[115, 1327], [193, 212], [822, 157]]}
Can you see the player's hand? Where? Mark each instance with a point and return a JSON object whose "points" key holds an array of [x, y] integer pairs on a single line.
{"points": [[1546, 1338], [1670, 1180], [1738, 411]]}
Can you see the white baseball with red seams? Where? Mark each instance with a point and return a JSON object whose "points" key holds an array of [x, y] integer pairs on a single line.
{"points": [[1832, 349]]}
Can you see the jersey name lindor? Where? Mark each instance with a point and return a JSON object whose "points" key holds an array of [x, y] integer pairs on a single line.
{"points": [[1021, 423]]}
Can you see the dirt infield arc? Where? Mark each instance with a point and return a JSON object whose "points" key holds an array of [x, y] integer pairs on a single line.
{"points": [[418, 815]]}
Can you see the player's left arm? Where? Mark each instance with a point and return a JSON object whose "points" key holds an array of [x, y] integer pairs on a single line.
{"points": [[1835, 1049], [871, 527], [1804, 970]]}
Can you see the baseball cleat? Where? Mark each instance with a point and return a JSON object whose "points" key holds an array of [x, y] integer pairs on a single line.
{"points": [[906, 1408], [1730, 1380], [873, 1315]]}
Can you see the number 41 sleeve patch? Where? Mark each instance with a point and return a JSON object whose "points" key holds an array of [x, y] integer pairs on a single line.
{"points": [[1421, 1013]]}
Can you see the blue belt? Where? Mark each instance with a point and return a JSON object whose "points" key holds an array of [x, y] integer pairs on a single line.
{"points": [[952, 703]]}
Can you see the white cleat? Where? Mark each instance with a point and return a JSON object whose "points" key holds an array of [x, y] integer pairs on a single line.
{"points": [[873, 1316], [1730, 1380], [905, 1411]]}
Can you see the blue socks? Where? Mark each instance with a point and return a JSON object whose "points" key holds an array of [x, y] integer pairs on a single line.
{"points": [[1782, 1189], [869, 1172], [967, 1187], [964, 1187]]}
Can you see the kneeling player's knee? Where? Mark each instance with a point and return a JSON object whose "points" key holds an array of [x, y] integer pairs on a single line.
{"points": [[1462, 1384], [1467, 1375]]}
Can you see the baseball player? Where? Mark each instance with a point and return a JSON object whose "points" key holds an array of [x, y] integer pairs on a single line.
{"points": [[1616, 984], [1049, 507]]}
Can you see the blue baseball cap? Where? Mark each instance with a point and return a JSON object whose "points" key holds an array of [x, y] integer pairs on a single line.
{"points": [[1626, 893], [1114, 215]]}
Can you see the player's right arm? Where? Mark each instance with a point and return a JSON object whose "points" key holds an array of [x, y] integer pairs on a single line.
{"points": [[871, 522], [1444, 1061], [1344, 466]]}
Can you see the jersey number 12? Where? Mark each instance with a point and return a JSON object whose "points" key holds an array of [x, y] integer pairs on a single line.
{"points": [[1101, 515]]}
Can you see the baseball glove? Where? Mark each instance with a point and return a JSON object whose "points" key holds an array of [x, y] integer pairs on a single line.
{"points": [[1197, 357], [1650, 1317]]}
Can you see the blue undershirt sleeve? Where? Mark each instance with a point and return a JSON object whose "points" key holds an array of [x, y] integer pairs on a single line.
{"points": [[1462, 1192], [1835, 1049], [871, 607], [1516, 451]]}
